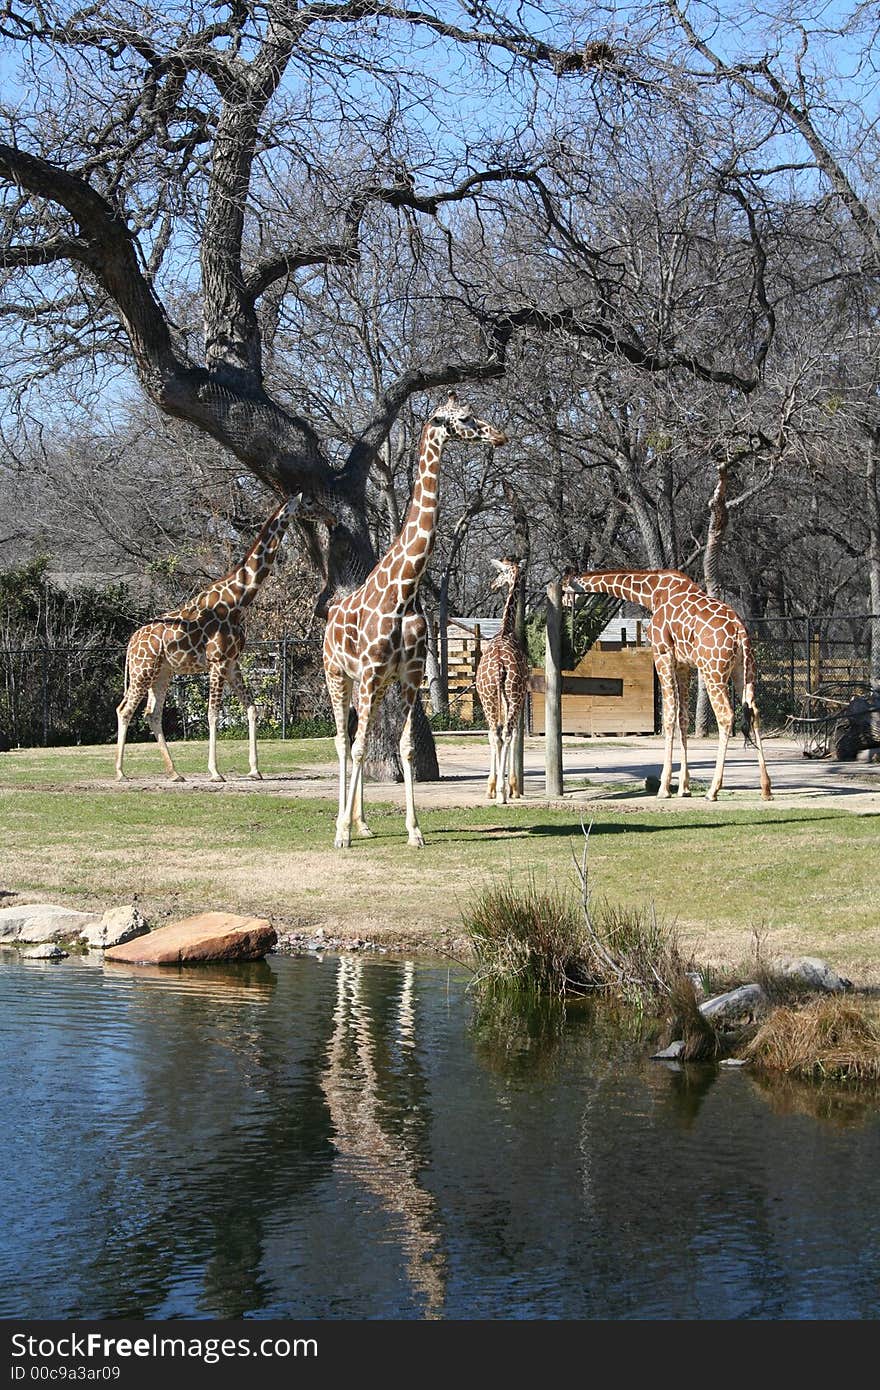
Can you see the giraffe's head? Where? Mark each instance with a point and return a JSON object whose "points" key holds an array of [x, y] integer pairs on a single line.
{"points": [[571, 587], [460, 422], [508, 573], [311, 508]]}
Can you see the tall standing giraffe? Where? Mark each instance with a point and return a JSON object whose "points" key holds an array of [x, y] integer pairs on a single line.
{"points": [[502, 682], [689, 629], [206, 634], [375, 635]]}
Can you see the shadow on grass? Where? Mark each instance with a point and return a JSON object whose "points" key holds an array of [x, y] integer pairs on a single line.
{"points": [[630, 825]]}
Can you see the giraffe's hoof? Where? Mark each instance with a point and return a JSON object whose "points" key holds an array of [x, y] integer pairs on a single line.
{"points": [[711, 796], [255, 776], [121, 777], [365, 833], [342, 842], [501, 801], [663, 795], [685, 792], [417, 839], [217, 777], [766, 796], [176, 777]]}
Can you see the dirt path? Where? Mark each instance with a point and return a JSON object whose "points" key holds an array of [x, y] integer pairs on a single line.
{"points": [[610, 772]]}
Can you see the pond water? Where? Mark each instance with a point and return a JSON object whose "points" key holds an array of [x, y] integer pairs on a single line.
{"points": [[346, 1139]]}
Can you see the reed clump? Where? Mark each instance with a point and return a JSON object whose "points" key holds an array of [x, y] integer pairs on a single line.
{"points": [[544, 940], [828, 1039]]}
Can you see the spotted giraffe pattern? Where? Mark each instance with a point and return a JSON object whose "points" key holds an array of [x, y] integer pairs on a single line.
{"points": [[689, 630], [376, 636], [502, 682], [206, 634]]}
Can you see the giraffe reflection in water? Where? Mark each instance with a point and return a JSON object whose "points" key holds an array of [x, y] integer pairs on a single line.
{"points": [[378, 1144]]}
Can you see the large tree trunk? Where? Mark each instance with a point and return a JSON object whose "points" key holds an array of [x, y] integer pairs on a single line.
{"points": [[873, 512]]}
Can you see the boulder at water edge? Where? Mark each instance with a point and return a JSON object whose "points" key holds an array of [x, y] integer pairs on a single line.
{"points": [[812, 971], [208, 936], [49, 951], [38, 922], [747, 999], [118, 924]]}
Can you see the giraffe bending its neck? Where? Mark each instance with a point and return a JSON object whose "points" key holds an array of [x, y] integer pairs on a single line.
{"points": [[206, 634], [376, 635], [689, 629], [502, 683]]}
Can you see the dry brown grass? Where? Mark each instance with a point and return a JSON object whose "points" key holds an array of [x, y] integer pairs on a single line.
{"points": [[829, 1038]]}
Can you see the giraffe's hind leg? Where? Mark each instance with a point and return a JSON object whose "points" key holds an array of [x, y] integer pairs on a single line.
{"points": [[683, 676], [155, 706], [719, 699], [665, 664], [140, 679]]}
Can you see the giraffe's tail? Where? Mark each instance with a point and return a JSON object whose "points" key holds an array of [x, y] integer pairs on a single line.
{"points": [[744, 684]]}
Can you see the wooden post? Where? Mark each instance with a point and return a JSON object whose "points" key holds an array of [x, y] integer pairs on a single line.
{"points": [[553, 691]]}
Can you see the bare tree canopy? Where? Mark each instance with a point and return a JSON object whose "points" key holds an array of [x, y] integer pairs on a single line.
{"points": [[648, 236]]}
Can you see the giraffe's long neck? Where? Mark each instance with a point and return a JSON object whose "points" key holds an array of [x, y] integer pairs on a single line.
{"points": [[241, 586], [638, 586], [411, 551], [508, 619]]}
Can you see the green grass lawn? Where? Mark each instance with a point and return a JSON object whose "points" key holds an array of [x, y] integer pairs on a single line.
{"points": [[810, 878]]}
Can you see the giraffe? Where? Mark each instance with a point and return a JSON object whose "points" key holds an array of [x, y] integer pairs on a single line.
{"points": [[206, 634], [375, 635], [502, 682], [689, 629]]}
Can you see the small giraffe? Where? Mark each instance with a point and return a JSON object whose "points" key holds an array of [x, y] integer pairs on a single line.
{"points": [[689, 629], [502, 683], [376, 635], [206, 634]]}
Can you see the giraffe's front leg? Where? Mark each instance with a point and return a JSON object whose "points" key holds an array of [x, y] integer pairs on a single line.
{"points": [[414, 834], [239, 689], [215, 695], [367, 704]]}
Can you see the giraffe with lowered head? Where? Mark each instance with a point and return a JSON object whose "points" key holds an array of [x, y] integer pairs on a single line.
{"points": [[502, 683], [376, 635], [206, 634], [689, 630]]}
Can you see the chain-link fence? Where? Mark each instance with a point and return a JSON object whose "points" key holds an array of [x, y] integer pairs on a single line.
{"points": [[68, 695]]}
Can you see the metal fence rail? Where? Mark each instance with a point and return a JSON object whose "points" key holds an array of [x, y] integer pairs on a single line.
{"points": [[68, 695]]}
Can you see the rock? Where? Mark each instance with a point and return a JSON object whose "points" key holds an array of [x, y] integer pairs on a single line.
{"points": [[813, 972], [733, 1062], [209, 936], [118, 924], [652, 784], [670, 1053], [49, 951], [43, 922], [696, 980], [748, 999]]}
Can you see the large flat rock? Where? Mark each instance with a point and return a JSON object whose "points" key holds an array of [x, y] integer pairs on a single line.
{"points": [[205, 937]]}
